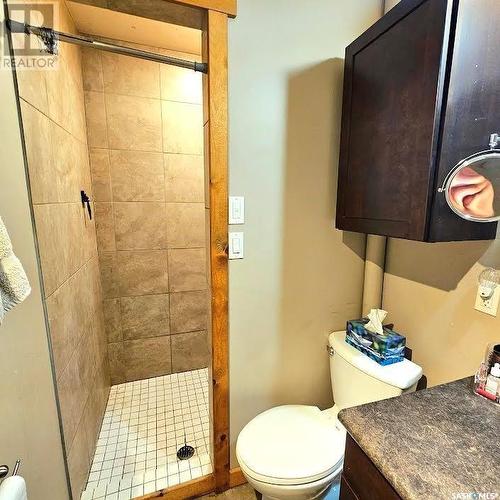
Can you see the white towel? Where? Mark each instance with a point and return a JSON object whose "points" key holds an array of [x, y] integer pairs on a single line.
{"points": [[13, 488], [14, 284], [5, 244]]}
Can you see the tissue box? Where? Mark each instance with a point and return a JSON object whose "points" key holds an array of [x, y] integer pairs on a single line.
{"points": [[384, 349]]}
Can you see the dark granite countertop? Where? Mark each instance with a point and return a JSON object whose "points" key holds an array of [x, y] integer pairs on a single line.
{"points": [[432, 444]]}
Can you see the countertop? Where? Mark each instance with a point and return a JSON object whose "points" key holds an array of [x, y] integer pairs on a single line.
{"points": [[432, 443]]}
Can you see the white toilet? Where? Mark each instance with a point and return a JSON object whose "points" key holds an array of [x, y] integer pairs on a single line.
{"points": [[296, 452]]}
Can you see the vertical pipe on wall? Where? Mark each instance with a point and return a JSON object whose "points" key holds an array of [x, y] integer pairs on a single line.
{"points": [[374, 272]]}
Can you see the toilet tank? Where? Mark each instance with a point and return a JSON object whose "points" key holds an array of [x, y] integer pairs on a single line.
{"points": [[357, 379]]}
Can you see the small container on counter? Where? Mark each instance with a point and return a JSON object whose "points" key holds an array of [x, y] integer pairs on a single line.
{"points": [[487, 378]]}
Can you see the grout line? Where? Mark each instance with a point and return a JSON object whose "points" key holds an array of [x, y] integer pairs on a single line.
{"points": [[137, 96], [73, 274], [83, 142], [145, 151]]}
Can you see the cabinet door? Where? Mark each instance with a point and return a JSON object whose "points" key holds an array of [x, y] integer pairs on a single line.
{"points": [[472, 110], [389, 109]]}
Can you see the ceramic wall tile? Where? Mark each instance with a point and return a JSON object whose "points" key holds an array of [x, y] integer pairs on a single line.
{"points": [[188, 311], [113, 320], [180, 84], [186, 225], [143, 77], [65, 99], [132, 179], [39, 154], [137, 176], [133, 123], [60, 231], [60, 90], [182, 128], [63, 321], [79, 461], [117, 368], [70, 399], [142, 272], [184, 178], [109, 274], [77, 116], [101, 179], [97, 133], [32, 88], [92, 70], [147, 358], [190, 351], [187, 269], [69, 165], [105, 226], [86, 363], [92, 418], [141, 225], [70, 309], [145, 316]]}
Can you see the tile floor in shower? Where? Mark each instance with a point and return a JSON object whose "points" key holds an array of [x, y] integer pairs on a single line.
{"points": [[143, 428]]}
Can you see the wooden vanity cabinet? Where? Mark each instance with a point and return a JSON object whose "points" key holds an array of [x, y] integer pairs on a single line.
{"points": [[360, 479], [421, 92]]}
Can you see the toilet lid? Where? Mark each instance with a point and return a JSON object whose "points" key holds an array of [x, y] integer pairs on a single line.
{"points": [[291, 445]]}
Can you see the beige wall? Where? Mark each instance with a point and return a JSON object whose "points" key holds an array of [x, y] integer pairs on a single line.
{"points": [[389, 4], [429, 291], [54, 128], [300, 278], [28, 414], [145, 133]]}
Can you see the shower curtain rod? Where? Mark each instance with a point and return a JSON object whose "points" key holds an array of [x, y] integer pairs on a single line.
{"points": [[50, 38]]}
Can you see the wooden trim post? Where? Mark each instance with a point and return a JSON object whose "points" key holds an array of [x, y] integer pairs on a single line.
{"points": [[216, 116]]}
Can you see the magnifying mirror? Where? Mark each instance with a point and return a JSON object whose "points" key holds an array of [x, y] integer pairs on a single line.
{"points": [[472, 188]]}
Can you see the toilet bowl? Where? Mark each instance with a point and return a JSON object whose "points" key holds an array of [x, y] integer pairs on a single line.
{"points": [[296, 452], [292, 452]]}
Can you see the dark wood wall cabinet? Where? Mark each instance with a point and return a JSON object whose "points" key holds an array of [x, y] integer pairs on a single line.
{"points": [[361, 480], [421, 93]]}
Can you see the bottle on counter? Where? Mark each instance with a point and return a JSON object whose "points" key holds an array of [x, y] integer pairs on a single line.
{"points": [[493, 380]]}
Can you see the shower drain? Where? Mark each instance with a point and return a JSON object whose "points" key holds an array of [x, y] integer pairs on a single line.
{"points": [[185, 452]]}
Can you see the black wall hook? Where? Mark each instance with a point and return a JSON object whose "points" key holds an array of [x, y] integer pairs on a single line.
{"points": [[86, 200]]}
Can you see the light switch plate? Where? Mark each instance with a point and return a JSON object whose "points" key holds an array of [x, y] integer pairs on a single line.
{"points": [[235, 245], [488, 306], [236, 210]]}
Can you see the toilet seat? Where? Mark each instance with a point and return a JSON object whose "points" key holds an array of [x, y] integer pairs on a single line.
{"points": [[291, 445]]}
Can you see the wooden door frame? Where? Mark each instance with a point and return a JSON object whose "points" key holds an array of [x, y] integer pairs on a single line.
{"points": [[216, 151], [215, 122]]}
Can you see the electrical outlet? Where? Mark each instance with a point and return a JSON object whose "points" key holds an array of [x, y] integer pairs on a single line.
{"points": [[489, 305]]}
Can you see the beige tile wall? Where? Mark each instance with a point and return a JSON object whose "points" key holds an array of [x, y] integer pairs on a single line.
{"points": [[53, 113], [145, 134]]}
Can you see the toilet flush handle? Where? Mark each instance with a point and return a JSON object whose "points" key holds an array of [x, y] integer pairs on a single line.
{"points": [[330, 350]]}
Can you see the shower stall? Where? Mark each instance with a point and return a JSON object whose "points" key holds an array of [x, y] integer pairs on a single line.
{"points": [[114, 148]]}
